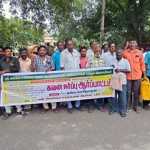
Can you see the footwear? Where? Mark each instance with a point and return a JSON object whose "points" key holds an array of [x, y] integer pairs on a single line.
{"points": [[55, 110], [90, 110], [78, 108], [102, 109], [136, 109], [22, 113], [45, 106], [123, 114], [70, 110], [147, 107], [6, 116], [111, 112]]}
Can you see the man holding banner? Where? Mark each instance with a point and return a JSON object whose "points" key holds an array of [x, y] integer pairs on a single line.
{"points": [[43, 63], [70, 61], [9, 64]]}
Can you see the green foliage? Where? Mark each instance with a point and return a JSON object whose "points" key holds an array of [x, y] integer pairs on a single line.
{"points": [[81, 20], [17, 33], [124, 20]]}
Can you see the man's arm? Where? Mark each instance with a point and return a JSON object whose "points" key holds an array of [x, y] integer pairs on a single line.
{"points": [[127, 68], [33, 65], [142, 64], [51, 65], [16, 66], [62, 61]]}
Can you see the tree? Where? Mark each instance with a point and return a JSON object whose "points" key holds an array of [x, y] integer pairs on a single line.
{"points": [[81, 18], [102, 27], [17, 33]]}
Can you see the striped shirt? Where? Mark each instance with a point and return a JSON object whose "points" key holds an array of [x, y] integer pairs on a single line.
{"points": [[43, 65]]}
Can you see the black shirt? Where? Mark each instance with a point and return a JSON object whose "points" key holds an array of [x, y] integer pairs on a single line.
{"points": [[11, 66]]}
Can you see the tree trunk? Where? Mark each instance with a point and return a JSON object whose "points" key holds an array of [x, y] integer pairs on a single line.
{"points": [[102, 26]]}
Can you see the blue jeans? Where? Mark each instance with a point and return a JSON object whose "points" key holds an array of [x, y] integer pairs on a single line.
{"points": [[70, 106], [122, 99], [119, 102], [133, 87], [112, 104], [99, 103]]}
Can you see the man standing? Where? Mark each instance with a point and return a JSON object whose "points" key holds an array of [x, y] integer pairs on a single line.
{"points": [[43, 63], [25, 66], [122, 67], [96, 62], [70, 60], [136, 60], [90, 52], [109, 60], [9, 64], [97, 59], [110, 56], [24, 60], [56, 57]]}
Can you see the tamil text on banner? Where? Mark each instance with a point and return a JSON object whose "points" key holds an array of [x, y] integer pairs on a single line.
{"points": [[34, 88]]}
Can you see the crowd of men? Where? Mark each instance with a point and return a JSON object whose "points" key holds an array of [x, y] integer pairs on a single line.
{"points": [[128, 62]]}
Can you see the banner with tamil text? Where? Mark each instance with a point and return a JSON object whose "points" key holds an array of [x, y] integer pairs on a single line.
{"points": [[34, 88]]}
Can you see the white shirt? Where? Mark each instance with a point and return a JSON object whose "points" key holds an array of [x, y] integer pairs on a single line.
{"points": [[70, 61], [25, 65], [90, 54], [123, 64], [109, 59]]}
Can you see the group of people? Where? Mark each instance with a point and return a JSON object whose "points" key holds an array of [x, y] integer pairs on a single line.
{"points": [[127, 62]]}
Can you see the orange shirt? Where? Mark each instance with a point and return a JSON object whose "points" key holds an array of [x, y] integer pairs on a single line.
{"points": [[136, 61]]}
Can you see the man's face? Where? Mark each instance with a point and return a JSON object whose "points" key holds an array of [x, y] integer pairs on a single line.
{"points": [[42, 51], [97, 49], [83, 52], [119, 54], [133, 44], [61, 46], [93, 45], [24, 54], [70, 45], [112, 47], [8, 52]]}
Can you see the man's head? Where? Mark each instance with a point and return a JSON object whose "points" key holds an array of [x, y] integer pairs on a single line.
{"points": [[7, 52], [93, 44], [60, 45], [119, 53], [133, 44], [112, 47], [83, 51], [23, 53], [42, 50], [70, 45], [97, 49]]}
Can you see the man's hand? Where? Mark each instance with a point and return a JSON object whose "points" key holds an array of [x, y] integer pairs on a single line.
{"points": [[117, 70], [144, 75], [3, 72]]}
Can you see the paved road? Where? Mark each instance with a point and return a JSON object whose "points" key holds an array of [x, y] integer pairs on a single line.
{"points": [[77, 131]]}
